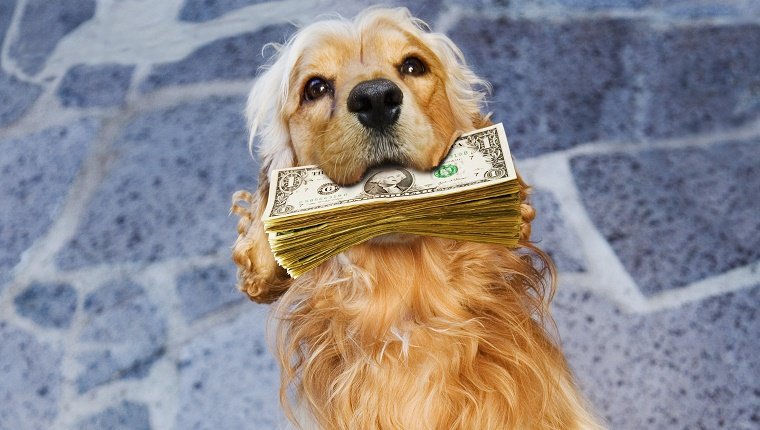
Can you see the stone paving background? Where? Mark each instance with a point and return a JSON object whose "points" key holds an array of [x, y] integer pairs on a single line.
{"points": [[121, 141]]}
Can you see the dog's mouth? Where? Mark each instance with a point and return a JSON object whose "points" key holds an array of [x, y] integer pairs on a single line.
{"points": [[376, 149], [385, 149], [357, 144]]}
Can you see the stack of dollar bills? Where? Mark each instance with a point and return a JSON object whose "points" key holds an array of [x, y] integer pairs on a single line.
{"points": [[472, 196]]}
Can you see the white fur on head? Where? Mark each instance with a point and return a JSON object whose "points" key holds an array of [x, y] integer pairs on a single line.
{"points": [[264, 109]]}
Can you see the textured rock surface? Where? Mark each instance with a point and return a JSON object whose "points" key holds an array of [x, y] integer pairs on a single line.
{"points": [[89, 86], [36, 172], [709, 8], [686, 69], [49, 305], [676, 216], [235, 57], [560, 84], [206, 290], [124, 416], [551, 233], [7, 7], [127, 334], [30, 380], [43, 24], [227, 360], [190, 162], [18, 96], [204, 10], [122, 140], [553, 81], [693, 367]]}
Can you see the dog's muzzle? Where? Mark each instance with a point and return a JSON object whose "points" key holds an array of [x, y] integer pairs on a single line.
{"points": [[376, 103]]}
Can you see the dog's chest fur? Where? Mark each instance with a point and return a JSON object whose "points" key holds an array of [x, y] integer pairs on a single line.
{"points": [[428, 335]]}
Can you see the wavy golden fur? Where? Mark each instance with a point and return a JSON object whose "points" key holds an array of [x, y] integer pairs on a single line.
{"points": [[400, 332]]}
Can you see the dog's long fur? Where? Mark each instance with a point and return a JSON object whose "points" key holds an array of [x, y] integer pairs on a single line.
{"points": [[400, 332]]}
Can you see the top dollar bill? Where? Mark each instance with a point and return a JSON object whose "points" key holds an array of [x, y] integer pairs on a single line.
{"points": [[477, 159]]}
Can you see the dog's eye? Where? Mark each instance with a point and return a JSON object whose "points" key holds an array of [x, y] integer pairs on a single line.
{"points": [[412, 66], [316, 88]]}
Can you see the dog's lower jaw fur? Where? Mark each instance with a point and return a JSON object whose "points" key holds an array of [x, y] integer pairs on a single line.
{"points": [[432, 334]]}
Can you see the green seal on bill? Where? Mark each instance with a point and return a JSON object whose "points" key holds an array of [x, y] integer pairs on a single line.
{"points": [[445, 171]]}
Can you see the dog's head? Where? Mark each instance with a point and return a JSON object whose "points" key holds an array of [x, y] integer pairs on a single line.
{"points": [[349, 95]]}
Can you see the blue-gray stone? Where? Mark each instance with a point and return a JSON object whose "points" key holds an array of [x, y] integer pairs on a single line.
{"points": [[207, 289], [43, 24], [556, 84], [598, 4], [668, 9], [426, 10], [35, 174], [128, 332], [124, 416], [696, 10], [550, 232], [205, 10], [560, 84], [6, 15], [101, 85], [706, 9], [30, 380], [676, 216], [698, 78], [168, 194], [236, 57], [228, 379], [693, 367], [17, 96], [49, 305]]}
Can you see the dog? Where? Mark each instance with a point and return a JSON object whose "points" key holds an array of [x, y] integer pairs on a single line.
{"points": [[401, 331]]}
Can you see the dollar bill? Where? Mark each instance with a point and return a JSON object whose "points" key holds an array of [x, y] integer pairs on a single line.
{"points": [[477, 159]]}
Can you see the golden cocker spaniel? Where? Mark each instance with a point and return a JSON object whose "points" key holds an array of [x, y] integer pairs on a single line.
{"points": [[402, 331]]}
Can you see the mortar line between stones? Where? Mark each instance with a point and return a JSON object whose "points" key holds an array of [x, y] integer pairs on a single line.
{"points": [[139, 74], [446, 19], [609, 277], [546, 166], [159, 386], [733, 280], [741, 134], [11, 35], [84, 46], [70, 366], [38, 261], [93, 169]]}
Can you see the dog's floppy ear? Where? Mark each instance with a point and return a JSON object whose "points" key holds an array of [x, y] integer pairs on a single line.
{"points": [[465, 90], [259, 275]]}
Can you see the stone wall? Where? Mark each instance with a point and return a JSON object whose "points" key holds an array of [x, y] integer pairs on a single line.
{"points": [[122, 140]]}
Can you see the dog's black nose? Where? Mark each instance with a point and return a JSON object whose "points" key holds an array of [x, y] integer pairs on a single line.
{"points": [[377, 103]]}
